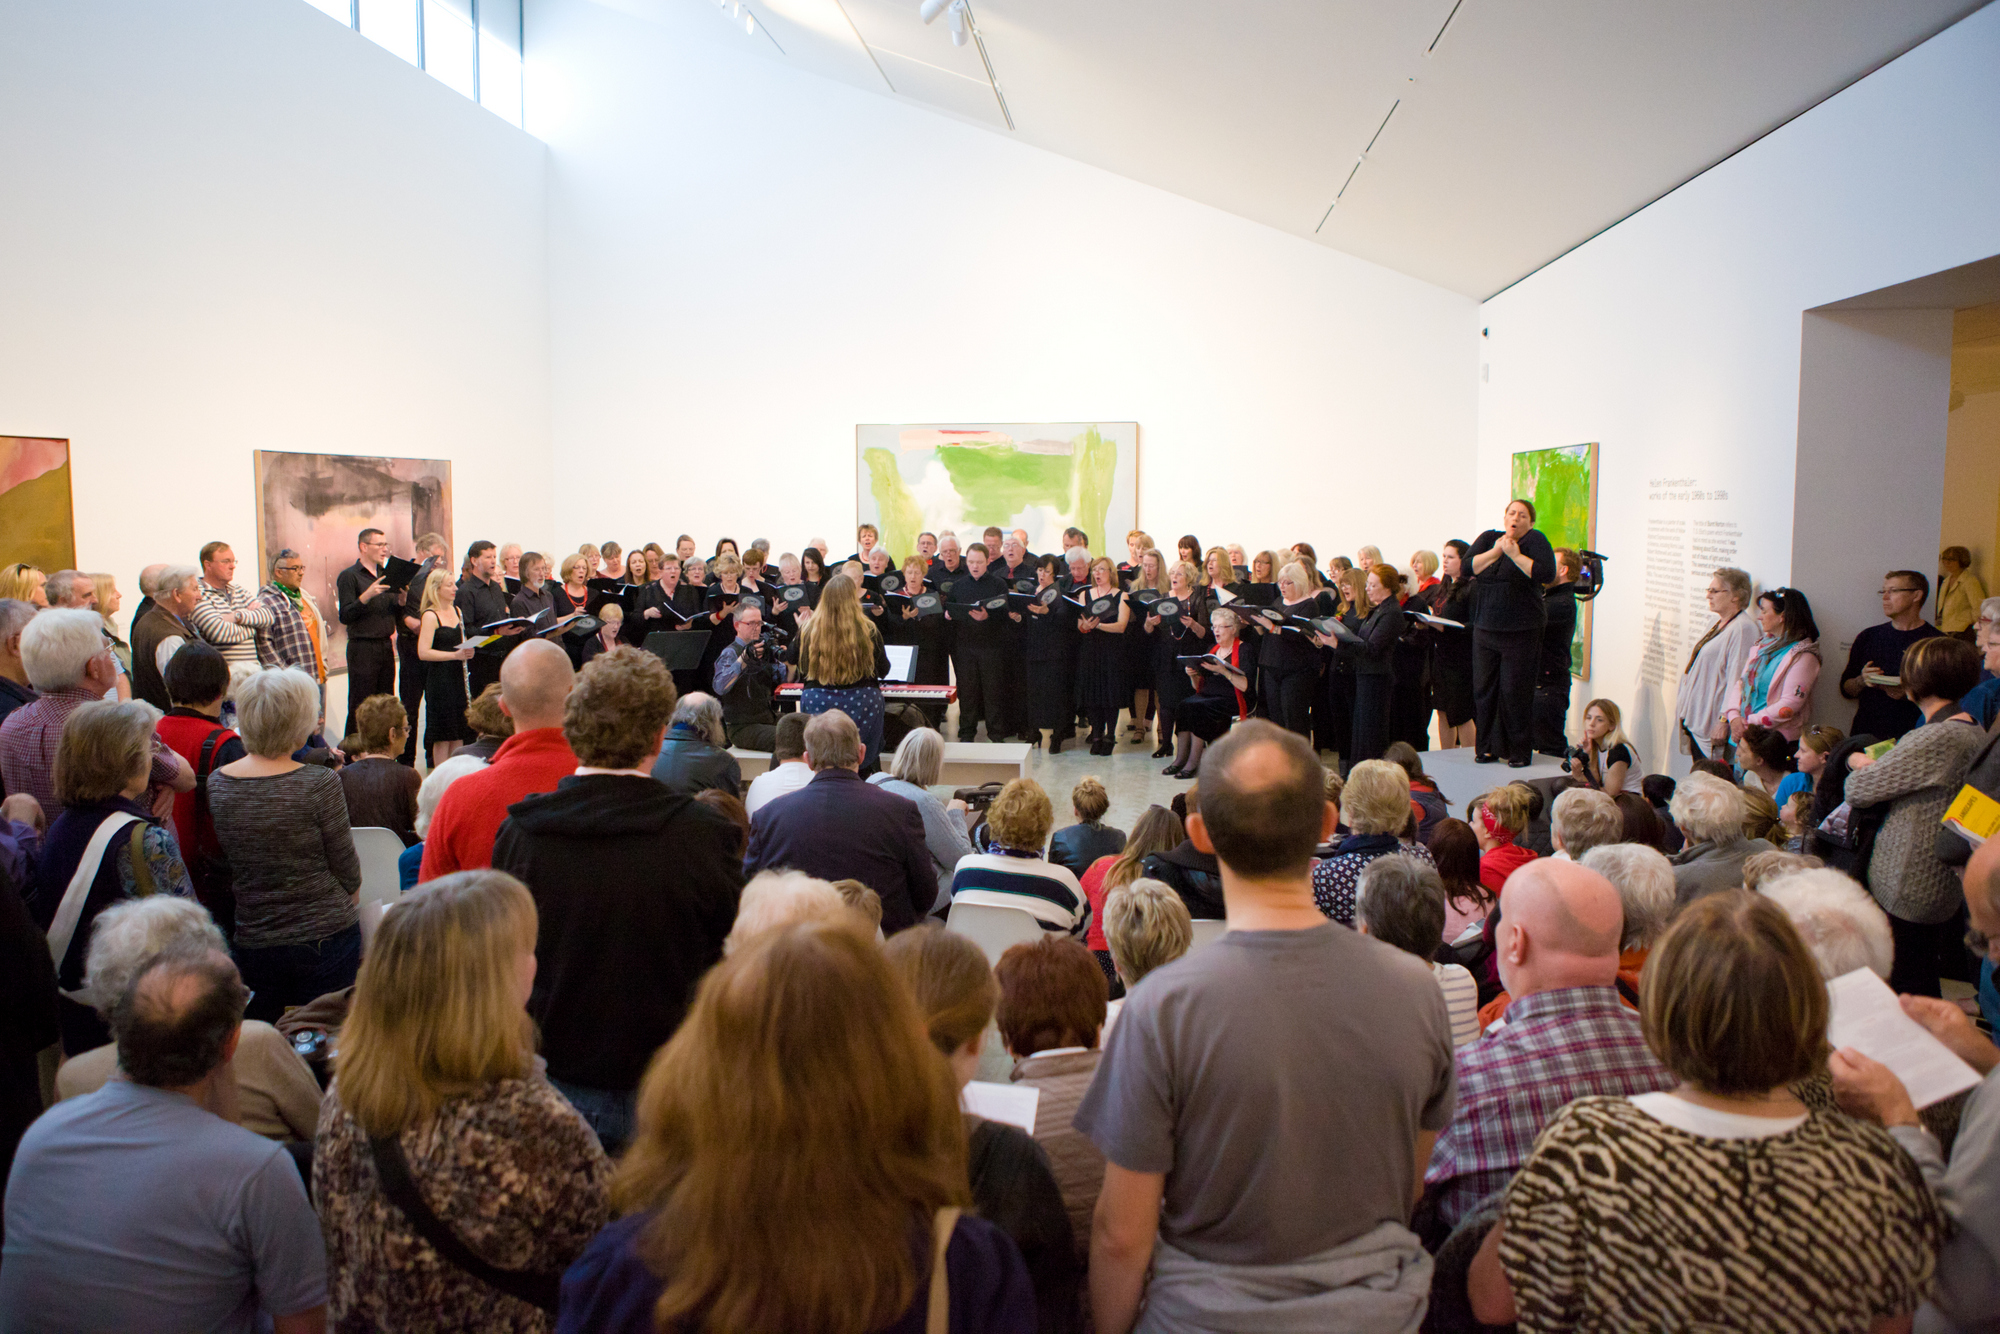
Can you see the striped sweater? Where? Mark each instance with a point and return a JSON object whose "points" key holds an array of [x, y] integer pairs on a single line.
{"points": [[1048, 891]]}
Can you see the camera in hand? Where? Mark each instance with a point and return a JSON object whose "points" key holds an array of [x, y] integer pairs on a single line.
{"points": [[1577, 755]]}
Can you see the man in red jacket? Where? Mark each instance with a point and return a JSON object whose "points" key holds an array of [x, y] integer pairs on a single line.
{"points": [[534, 684]]}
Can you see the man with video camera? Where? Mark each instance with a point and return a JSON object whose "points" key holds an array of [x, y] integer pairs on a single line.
{"points": [[750, 667]]}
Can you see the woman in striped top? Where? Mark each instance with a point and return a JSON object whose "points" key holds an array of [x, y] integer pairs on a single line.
{"points": [[1013, 873]]}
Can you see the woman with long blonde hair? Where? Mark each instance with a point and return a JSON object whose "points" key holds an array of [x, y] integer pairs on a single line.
{"points": [[800, 1164], [26, 582], [441, 647], [841, 660], [435, 1085]]}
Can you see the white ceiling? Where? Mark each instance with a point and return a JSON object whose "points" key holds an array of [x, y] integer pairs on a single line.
{"points": [[1521, 127]]}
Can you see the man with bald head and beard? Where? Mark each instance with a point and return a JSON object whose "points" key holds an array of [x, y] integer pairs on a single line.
{"points": [[1966, 1292], [1566, 1036]]}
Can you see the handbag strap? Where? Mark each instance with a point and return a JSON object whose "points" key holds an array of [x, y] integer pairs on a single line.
{"points": [[62, 928], [938, 1320], [393, 1169]]}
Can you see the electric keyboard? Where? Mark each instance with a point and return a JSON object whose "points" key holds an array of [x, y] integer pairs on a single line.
{"points": [[891, 690]]}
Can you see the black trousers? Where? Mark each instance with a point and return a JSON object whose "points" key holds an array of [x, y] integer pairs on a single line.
{"points": [[1373, 725], [1288, 696], [982, 689], [1928, 951], [1552, 716], [1504, 663], [410, 674], [753, 736], [482, 671], [371, 670]]}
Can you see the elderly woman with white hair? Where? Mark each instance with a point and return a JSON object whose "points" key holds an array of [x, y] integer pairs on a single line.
{"points": [[781, 898], [410, 865], [283, 828], [1146, 926], [1983, 700], [1709, 812], [275, 1093], [1840, 922], [695, 754], [1717, 660], [1581, 819], [1644, 879], [913, 772]]}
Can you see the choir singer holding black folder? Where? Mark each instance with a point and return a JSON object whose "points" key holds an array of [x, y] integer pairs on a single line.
{"points": [[1372, 653], [367, 603], [1510, 567], [1222, 679]]}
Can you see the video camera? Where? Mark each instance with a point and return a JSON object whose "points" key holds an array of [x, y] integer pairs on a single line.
{"points": [[1590, 580]]}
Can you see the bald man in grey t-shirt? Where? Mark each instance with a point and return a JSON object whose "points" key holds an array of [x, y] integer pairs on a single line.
{"points": [[1266, 1105]]}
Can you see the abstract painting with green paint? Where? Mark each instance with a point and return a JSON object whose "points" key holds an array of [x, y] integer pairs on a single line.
{"points": [[966, 477], [1562, 483]]}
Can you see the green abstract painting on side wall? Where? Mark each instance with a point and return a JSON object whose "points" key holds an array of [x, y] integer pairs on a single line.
{"points": [[965, 477], [36, 523], [1562, 483]]}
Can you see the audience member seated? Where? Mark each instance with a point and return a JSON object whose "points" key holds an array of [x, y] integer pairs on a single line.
{"points": [[1076, 847], [801, 1049], [1640, 823], [274, 1093], [1011, 1179], [438, 1124], [1917, 781], [535, 683], [788, 772], [837, 827], [1225, 1103], [1428, 804], [1497, 819], [381, 793], [1375, 805], [695, 756], [913, 772], [779, 898], [1455, 852], [1191, 873], [1843, 928], [1710, 812], [69, 663], [1688, 1232], [1764, 866], [1585, 818], [485, 716], [1147, 927], [864, 902], [105, 848], [1566, 1035], [1644, 879], [1760, 817], [14, 688], [140, 1206], [730, 809], [1156, 830], [1966, 1292], [1052, 1007], [1658, 790], [635, 886], [409, 866], [283, 829], [1400, 901], [1013, 874]]}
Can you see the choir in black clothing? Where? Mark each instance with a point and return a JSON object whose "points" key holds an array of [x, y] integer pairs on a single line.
{"points": [[1039, 644]]}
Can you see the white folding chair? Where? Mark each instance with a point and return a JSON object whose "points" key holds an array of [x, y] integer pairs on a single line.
{"points": [[1207, 930], [993, 928], [381, 877]]}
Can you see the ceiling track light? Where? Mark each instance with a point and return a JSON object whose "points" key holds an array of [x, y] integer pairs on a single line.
{"points": [[965, 27], [1356, 168]]}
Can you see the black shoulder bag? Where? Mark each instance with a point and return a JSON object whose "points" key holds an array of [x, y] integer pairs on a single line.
{"points": [[536, 1289]]}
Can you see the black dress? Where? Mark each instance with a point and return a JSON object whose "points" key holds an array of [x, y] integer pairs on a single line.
{"points": [[927, 634], [1289, 665], [1140, 648], [1050, 648], [1451, 651], [1101, 678], [1374, 679], [444, 691], [1170, 679]]}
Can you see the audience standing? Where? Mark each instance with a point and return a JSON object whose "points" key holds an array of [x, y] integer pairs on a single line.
{"points": [[140, 1206], [1221, 1104], [1884, 710], [161, 631], [837, 827], [14, 688], [1717, 660], [197, 679], [297, 634], [282, 826], [438, 1127], [636, 886], [229, 617], [535, 683], [800, 1048]]}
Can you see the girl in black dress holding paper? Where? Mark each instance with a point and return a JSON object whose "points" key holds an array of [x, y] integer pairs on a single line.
{"points": [[1049, 647], [1100, 665], [1176, 639], [1374, 663], [1287, 661], [1148, 581]]}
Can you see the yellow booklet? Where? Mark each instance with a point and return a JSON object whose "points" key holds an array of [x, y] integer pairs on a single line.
{"points": [[1973, 814]]}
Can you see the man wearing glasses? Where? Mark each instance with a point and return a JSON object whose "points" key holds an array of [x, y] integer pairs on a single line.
{"points": [[367, 608], [297, 637], [1884, 712]]}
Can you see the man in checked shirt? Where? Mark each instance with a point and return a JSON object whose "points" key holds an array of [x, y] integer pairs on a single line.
{"points": [[1566, 1034]]}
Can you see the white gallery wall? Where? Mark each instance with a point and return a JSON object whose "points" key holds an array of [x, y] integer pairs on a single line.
{"points": [[746, 262], [234, 225], [1675, 341]]}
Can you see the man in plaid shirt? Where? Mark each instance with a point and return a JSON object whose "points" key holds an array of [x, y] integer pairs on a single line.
{"points": [[1566, 1035], [297, 637]]}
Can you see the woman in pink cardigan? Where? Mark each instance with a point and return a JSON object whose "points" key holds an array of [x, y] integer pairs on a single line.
{"points": [[1776, 685]]}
